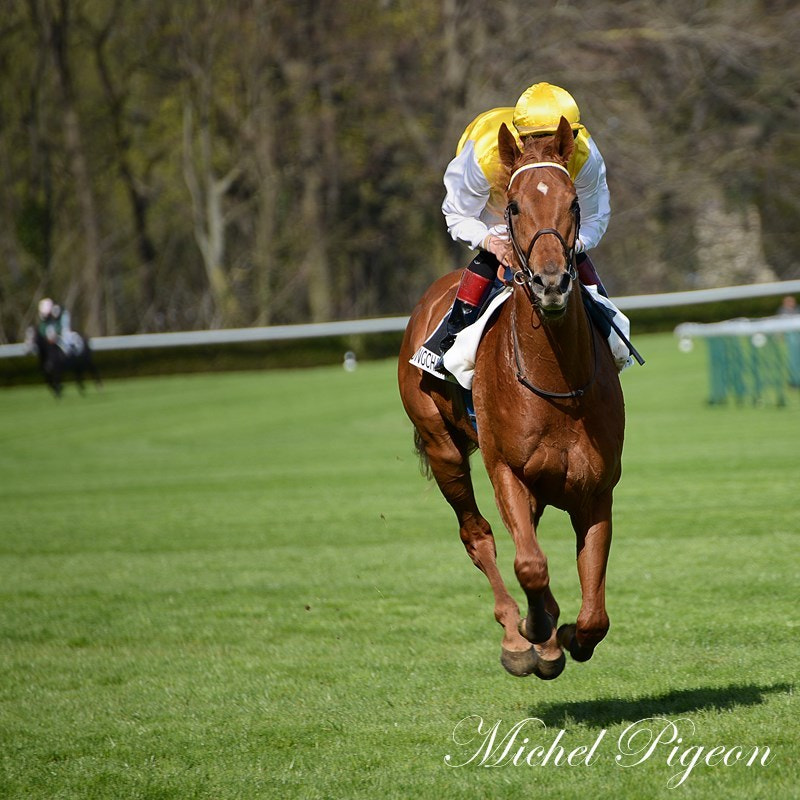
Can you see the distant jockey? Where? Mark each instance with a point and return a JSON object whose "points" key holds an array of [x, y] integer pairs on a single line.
{"points": [[54, 326]]}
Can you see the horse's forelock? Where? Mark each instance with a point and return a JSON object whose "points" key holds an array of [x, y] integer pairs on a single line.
{"points": [[533, 150], [540, 148]]}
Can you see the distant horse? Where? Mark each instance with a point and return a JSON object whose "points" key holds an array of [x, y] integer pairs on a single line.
{"points": [[549, 410], [55, 363]]}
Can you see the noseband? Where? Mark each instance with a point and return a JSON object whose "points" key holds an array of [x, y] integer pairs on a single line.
{"points": [[524, 276]]}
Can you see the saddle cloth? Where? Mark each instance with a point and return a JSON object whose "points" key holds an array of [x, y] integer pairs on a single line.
{"points": [[459, 360], [71, 343]]}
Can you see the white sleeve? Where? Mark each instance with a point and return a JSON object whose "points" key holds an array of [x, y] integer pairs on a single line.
{"points": [[467, 193], [594, 198]]}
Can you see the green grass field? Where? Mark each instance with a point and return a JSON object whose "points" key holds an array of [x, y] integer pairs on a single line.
{"points": [[240, 586]]}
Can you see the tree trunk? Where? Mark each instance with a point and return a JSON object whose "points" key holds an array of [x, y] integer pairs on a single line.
{"points": [[90, 289], [147, 301], [264, 258], [207, 193]]}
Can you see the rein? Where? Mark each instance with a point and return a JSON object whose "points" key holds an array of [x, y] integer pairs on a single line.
{"points": [[524, 277], [545, 393]]}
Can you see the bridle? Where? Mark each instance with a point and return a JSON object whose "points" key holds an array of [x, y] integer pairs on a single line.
{"points": [[525, 278]]}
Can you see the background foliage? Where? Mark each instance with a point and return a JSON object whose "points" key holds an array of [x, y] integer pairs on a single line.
{"points": [[187, 165]]}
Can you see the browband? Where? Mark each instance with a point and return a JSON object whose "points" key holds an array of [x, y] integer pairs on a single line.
{"points": [[536, 166]]}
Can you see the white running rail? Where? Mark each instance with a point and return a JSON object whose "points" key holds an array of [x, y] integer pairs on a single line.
{"points": [[394, 324]]}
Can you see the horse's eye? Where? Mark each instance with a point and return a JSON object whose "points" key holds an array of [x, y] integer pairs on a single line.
{"points": [[513, 207]]}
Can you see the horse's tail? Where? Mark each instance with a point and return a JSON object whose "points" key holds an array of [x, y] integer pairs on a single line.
{"points": [[424, 462], [465, 445]]}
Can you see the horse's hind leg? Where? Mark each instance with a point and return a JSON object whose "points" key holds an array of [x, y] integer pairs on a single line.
{"points": [[593, 531], [53, 377], [93, 371], [448, 457]]}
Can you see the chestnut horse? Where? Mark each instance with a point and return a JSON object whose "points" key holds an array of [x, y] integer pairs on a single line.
{"points": [[549, 410]]}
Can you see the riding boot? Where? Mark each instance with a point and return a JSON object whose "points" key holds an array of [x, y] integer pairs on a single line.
{"points": [[471, 293], [462, 315], [588, 274]]}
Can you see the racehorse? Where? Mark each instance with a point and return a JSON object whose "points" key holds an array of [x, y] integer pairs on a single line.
{"points": [[54, 362], [549, 413]]}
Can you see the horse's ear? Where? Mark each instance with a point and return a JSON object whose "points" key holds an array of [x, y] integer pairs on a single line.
{"points": [[564, 139], [507, 147]]}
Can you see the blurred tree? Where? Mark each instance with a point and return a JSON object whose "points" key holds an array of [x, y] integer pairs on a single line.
{"points": [[121, 58], [210, 152], [171, 166], [27, 202], [55, 23]]}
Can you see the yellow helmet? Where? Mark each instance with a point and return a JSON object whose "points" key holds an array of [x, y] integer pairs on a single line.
{"points": [[540, 108]]}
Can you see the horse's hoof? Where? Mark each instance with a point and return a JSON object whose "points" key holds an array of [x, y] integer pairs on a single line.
{"points": [[566, 638], [548, 670], [522, 627], [519, 663]]}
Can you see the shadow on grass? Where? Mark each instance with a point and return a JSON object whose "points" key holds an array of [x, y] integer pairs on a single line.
{"points": [[603, 713]]}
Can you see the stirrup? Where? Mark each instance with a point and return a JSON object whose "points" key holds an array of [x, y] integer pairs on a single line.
{"points": [[439, 365]]}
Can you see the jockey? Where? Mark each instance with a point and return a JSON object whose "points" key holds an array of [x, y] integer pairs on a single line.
{"points": [[48, 326], [474, 202], [54, 326]]}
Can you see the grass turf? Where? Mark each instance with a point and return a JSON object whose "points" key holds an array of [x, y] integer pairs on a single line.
{"points": [[239, 586]]}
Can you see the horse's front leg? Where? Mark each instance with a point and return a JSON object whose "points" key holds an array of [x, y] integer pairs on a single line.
{"points": [[450, 466], [530, 565], [593, 532], [517, 655]]}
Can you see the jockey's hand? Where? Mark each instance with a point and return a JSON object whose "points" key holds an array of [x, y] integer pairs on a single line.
{"points": [[501, 249]]}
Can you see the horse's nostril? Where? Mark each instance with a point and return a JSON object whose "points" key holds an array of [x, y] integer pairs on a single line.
{"points": [[538, 280], [565, 281]]}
